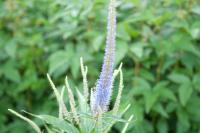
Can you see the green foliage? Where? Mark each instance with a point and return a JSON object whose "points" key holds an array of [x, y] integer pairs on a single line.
{"points": [[158, 42]]}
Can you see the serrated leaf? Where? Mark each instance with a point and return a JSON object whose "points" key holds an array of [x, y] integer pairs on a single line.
{"points": [[137, 50], [166, 93], [12, 74], [59, 62], [150, 100], [97, 42], [183, 120], [11, 48], [196, 81], [121, 51], [121, 32], [162, 126], [159, 108], [184, 92], [74, 66], [178, 78]]}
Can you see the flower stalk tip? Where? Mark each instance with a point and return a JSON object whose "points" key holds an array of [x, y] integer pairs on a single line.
{"points": [[84, 71], [102, 93], [72, 101]]}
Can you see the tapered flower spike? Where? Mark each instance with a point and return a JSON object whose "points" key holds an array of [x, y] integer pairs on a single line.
{"points": [[103, 89], [54, 88], [72, 101], [92, 98], [65, 114], [118, 99], [62, 108], [85, 83], [61, 115]]}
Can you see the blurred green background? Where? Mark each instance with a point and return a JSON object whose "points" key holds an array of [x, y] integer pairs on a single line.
{"points": [[158, 42]]}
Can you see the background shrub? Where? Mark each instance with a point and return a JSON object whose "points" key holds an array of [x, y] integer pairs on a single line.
{"points": [[157, 41]]}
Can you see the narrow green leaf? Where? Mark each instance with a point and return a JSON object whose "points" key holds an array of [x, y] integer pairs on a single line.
{"points": [[126, 126], [58, 123], [34, 126]]}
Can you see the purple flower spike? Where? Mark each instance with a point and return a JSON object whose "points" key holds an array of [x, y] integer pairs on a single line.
{"points": [[101, 96]]}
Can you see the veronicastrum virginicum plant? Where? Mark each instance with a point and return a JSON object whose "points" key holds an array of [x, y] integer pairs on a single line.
{"points": [[93, 117]]}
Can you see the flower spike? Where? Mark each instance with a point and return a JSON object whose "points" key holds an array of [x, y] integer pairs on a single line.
{"points": [[103, 89]]}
